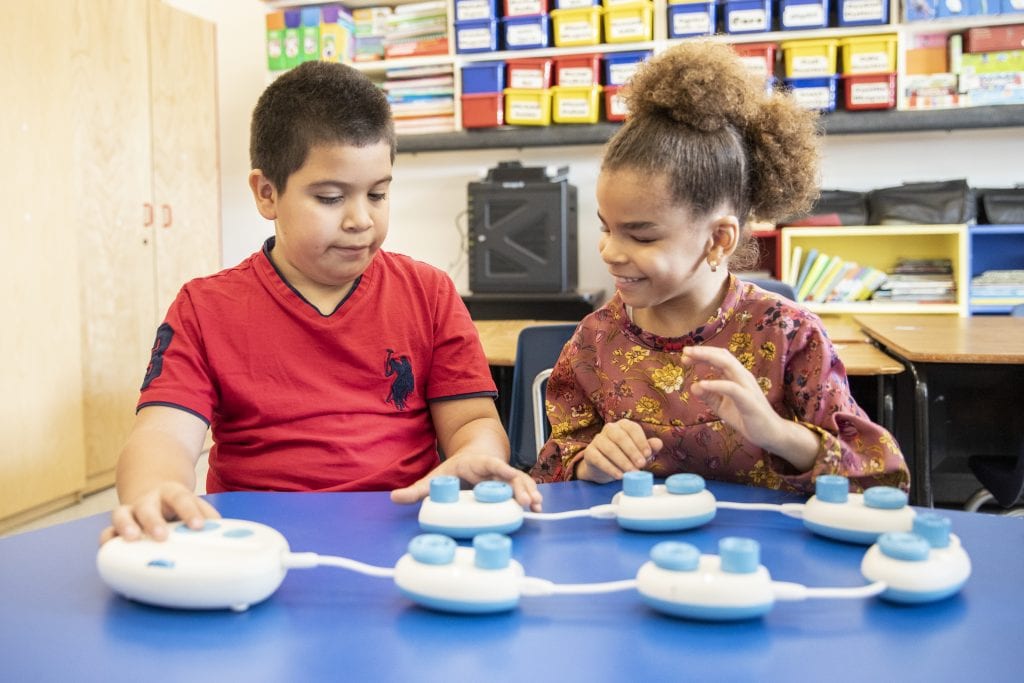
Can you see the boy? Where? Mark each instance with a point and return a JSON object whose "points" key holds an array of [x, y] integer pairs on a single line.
{"points": [[322, 363]]}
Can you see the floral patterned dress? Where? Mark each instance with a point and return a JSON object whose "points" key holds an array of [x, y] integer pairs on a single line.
{"points": [[611, 369]]}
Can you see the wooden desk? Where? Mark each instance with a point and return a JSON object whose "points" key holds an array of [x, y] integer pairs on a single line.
{"points": [[843, 330], [944, 346]]}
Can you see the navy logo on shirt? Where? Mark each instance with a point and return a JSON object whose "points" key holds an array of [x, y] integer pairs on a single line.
{"points": [[164, 334], [403, 384]]}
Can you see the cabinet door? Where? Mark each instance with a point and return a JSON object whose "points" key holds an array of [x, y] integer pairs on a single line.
{"points": [[185, 160], [114, 203], [41, 453]]}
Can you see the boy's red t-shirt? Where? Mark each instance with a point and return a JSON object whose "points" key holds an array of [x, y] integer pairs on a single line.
{"points": [[300, 401]]}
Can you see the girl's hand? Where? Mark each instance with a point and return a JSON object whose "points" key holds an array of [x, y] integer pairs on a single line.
{"points": [[620, 447]]}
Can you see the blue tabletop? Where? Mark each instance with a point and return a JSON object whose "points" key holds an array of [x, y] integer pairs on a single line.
{"points": [[59, 621]]}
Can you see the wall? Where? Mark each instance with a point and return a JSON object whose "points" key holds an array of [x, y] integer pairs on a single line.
{"points": [[429, 192]]}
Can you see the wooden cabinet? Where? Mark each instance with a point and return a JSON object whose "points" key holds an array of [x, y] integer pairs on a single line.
{"points": [[115, 177]]}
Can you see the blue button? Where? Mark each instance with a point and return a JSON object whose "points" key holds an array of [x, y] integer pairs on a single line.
{"points": [[432, 549], [492, 492], [638, 484], [492, 551], [163, 564], [675, 556], [444, 489], [207, 526], [901, 545], [739, 555], [238, 533], [832, 488], [933, 528], [684, 484], [885, 498]]}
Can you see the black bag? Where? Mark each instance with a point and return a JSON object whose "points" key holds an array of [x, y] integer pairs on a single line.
{"points": [[1001, 206], [944, 202], [835, 207]]}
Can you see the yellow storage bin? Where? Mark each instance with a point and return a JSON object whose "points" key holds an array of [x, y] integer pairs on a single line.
{"points": [[869, 54], [629, 23], [579, 26], [575, 104], [810, 58], [527, 107]]}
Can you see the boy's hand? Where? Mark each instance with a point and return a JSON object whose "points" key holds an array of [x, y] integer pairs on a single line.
{"points": [[474, 468], [148, 514], [620, 447]]}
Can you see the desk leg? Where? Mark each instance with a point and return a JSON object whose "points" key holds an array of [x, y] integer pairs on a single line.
{"points": [[921, 491], [886, 403]]}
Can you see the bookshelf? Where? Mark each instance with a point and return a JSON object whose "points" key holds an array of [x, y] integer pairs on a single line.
{"points": [[880, 247], [993, 247]]}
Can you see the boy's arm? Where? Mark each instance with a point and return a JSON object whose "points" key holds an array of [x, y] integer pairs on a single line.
{"points": [[470, 434], [156, 474]]}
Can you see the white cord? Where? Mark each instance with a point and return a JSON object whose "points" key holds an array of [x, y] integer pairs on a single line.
{"points": [[785, 590], [789, 509], [533, 586], [597, 512], [309, 560]]}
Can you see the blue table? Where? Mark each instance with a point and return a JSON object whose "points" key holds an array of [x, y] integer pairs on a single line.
{"points": [[58, 621]]}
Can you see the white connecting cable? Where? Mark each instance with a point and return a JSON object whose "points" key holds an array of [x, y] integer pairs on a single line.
{"points": [[789, 509], [794, 591], [597, 512], [533, 586], [309, 560]]}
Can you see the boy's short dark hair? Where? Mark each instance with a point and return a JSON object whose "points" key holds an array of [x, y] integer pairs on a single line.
{"points": [[316, 103]]}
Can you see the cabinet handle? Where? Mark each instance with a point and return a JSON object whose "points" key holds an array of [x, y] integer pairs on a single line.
{"points": [[168, 215], [147, 210]]}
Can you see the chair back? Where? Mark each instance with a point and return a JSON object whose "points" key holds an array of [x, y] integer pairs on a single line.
{"points": [[776, 286], [537, 349]]}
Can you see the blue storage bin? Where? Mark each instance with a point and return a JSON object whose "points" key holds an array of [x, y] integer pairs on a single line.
{"points": [[692, 19], [619, 66], [476, 36], [815, 93], [526, 33], [748, 16], [577, 4], [960, 8], [483, 77], [1009, 6], [803, 14], [475, 10], [863, 12]]}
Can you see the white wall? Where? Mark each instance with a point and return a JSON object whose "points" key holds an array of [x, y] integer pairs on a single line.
{"points": [[429, 192]]}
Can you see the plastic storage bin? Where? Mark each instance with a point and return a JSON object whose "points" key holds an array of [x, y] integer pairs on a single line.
{"points": [[614, 105], [758, 58], [525, 33], [862, 12], [483, 77], [814, 93], [527, 107], [747, 16], [629, 23], [475, 10], [575, 104], [810, 58], [573, 27], [578, 70], [692, 19], [525, 8], [476, 36], [868, 54], [619, 66], [803, 14], [873, 91], [529, 74], [483, 110], [576, 4]]}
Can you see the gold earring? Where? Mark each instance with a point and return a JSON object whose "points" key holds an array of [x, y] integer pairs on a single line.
{"points": [[714, 264]]}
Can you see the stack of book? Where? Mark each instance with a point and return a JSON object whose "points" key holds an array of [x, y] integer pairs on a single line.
{"points": [[998, 288], [919, 281], [824, 278], [371, 27], [417, 30], [422, 99]]}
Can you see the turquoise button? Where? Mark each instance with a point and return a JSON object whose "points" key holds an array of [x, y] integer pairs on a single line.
{"points": [[684, 484], [492, 551], [238, 533], [444, 489], [207, 526], [492, 492], [675, 556], [638, 484], [933, 528], [885, 498], [162, 564], [432, 549], [739, 555], [832, 488], [901, 545]]}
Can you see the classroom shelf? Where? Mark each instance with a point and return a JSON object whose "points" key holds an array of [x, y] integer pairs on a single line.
{"points": [[994, 247]]}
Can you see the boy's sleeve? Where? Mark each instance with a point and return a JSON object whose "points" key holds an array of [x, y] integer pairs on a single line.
{"points": [[850, 444], [458, 367], [178, 374]]}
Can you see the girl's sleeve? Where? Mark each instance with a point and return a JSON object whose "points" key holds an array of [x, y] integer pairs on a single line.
{"points": [[850, 444], [574, 420]]}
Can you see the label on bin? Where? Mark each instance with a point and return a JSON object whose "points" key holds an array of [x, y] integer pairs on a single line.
{"points": [[692, 23], [525, 8], [803, 15], [811, 65], [618, 105], [569, 108], [870, 93], [758, 66], [813, 98], [864, 10], [577, 32], [575, 4], [627, 27], [525, 110], [577, 75], [748, 20], [620, 73], [526, 79], [468, 10], [869, 61], [474, 38], [525, 34]]}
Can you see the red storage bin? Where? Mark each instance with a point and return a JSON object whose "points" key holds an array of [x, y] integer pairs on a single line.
{"points": [[870, 91], [759, 58], [614, 106], [483, 110], [529, 74], [578, 70]]}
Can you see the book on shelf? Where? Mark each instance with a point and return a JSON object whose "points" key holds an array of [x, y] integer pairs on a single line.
{"points": [[827, 278], [805, 267], [817, 267], [793, 276], [824, 283]]}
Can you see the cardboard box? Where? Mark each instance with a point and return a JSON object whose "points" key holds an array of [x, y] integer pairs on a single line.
{"points": [[927, 60], [994, 38]]}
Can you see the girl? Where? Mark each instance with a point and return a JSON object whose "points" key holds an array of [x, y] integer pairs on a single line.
{"points": [[688, 369]]}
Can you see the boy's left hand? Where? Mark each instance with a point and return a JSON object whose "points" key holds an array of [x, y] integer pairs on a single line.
{"points": [[474, 468]]}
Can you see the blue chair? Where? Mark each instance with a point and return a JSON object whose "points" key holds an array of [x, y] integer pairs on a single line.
{"points": [[537, 349], [776, 286]]}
